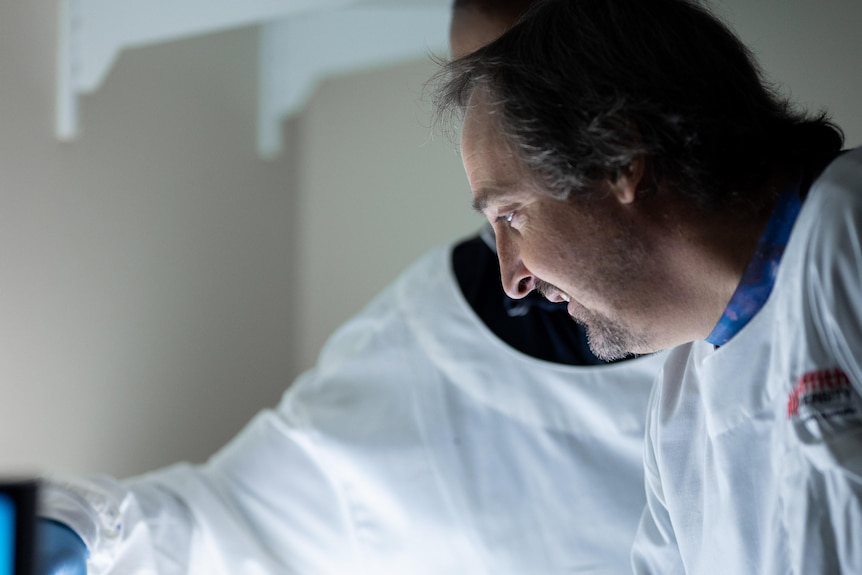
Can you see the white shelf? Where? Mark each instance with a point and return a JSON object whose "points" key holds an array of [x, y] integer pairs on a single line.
{"points": [[302, 41]]}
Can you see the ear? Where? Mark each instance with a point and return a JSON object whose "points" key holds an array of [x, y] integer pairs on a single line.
{"points": [[631, 184]]}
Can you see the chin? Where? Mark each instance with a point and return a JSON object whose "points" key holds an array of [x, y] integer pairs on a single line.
{"points": [[611, 340]]}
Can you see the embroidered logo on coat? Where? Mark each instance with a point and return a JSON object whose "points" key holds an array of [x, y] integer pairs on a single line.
{"points": [[825, 393]]}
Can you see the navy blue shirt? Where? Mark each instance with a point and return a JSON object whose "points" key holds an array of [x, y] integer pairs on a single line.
{"points": [[532, 325]]}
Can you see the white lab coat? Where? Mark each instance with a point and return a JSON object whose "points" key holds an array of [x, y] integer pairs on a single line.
{"points": [[420, 444], [754, 450]]}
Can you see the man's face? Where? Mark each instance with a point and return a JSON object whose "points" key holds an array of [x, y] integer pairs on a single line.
{"points": [[587, 252]]}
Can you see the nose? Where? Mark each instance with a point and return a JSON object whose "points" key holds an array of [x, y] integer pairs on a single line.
{"points": [[517, 279]]}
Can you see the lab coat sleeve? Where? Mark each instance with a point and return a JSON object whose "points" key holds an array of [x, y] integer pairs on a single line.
{"points": [[261, 505], [268, 502], [822, 476], [655, 548], [264, 504]]}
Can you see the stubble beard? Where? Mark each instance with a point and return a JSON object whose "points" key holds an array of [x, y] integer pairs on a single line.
{"points": [[607, 338]]}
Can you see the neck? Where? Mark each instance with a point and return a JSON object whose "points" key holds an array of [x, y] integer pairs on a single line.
{"points": [[730, 242], [706, 254]]}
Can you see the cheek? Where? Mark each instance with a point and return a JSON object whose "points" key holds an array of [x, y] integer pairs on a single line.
{"points": [[546, 254], [559, 246]]}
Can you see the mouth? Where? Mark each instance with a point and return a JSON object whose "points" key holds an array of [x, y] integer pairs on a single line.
{"points": [[552, 294]]}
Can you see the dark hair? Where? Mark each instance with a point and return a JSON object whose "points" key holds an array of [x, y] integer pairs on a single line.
{"points": [[585, 87]]}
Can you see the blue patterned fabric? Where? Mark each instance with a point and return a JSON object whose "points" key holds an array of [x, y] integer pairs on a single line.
{"points": [[757, 280]]}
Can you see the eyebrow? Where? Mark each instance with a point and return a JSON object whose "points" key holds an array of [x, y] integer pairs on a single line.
{"points": [[483, 197], [480, 200]]}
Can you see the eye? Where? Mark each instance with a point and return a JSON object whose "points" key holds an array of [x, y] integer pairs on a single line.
{"points": [[508, 217]]}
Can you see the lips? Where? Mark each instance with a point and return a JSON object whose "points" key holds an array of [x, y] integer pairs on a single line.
{"points": [[550, 292], [556, 296]]}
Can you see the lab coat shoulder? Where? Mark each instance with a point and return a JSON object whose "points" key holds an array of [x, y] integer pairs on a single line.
{"points": [[376, 350], [828, 265], [818, 332], [318, 473], [817, 377]]}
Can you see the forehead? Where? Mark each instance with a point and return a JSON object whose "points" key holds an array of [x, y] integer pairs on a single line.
{"points": [[493, 169]]}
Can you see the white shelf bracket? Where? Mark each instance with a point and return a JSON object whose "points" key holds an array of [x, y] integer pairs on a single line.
{"points": [[301, 42], [298, 52]]}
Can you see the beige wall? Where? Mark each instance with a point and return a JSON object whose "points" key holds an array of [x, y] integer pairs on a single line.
{"points": [[159, 283], [377, 189], [142, 269]]}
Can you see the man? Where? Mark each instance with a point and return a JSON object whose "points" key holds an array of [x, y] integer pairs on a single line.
{"points": [[445, 429], [635, 165]]}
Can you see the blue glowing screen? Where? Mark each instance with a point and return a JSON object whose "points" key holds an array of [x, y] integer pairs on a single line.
{"points": [[7, 535]]}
